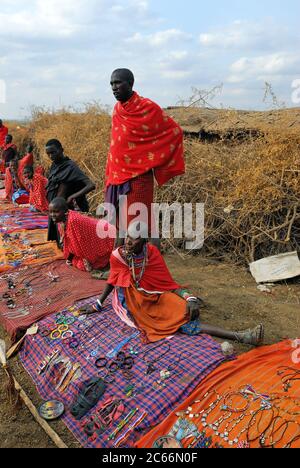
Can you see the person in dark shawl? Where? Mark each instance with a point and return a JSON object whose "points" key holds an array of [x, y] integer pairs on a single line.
{"points": [[66, 180], [9, 151]]}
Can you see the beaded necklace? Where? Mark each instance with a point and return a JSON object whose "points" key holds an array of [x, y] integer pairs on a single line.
{"points": [[137, 262]]}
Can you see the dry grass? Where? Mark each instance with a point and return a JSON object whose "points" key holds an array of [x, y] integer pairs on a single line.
{"points": [[250, 187]]}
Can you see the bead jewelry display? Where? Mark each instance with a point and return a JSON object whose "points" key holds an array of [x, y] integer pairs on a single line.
{"points": [[262, 422]]}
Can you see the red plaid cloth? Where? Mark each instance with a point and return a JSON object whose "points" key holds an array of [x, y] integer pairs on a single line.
{"points": [[41, 296]]}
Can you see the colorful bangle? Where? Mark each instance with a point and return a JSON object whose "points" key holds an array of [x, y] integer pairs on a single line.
{"points": [[192, 299], [98, 306]]}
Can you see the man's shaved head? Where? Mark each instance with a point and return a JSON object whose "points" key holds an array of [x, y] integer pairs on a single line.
{"points": [[122, 81], [125, 75]]}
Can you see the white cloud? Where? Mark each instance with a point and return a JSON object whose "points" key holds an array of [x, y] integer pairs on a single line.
{"points": [[264, 67], [63, 51], [246, 35], [159, 38]]}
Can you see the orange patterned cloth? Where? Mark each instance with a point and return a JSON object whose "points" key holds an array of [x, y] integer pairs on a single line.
{"points": [[143, 138], [251, 402], [27, 248]]}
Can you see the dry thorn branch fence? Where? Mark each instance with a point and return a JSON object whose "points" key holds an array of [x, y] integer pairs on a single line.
{"points": [[247, 176]]}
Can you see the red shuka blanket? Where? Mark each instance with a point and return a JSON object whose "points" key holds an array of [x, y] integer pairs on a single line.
{"points": [[82, 240], [143, 138], [8, 176], [156, 276], [38, 193], [3, 133]]}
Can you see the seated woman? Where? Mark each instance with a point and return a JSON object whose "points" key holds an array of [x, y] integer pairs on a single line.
{"points": [[36, 185], [80, 237], [15, 190], [147, 297]]}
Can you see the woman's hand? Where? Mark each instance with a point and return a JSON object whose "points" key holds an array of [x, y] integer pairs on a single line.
{"points": [[193, 310]]}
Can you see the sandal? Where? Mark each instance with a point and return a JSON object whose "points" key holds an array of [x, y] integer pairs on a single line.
{"points": [[254, 336], [88, 397]]}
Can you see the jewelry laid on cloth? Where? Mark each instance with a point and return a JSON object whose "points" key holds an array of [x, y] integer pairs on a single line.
{"points": [[43, 366], [17, 313], [257, 415], [122, 363], [123, 423], [288, 375], [152, 362], [134, 425], [113, 353], [51, 410], [108, 413]]}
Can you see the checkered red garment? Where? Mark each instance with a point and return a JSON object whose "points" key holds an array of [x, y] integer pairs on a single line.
{"points": [[82, 240], [190, 359]]}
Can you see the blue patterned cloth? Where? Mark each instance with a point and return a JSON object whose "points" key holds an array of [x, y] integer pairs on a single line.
{"points": [[192, 328]]}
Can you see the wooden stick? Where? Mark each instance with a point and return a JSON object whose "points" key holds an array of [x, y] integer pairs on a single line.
{"points": [[44, 425]]}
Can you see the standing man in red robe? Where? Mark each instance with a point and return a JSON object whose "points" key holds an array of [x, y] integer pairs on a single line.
{"points": [[145, 144]]}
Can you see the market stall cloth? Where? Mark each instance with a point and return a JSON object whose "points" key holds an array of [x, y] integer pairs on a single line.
{"points": [[17, 251], [254, 403], [29, 294], [34, 237], [132, 394], [11, 221]]}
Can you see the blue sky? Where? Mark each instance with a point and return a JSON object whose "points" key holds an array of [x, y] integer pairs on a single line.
{"points": [[62, 52]]}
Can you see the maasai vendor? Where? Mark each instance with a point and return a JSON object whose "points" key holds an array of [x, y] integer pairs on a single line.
{"points": [[14, 184], [29, 155], [9, 151], [36, 184], [3, 133], [145, 143], [66, 180], [83, 245], [147, 297]]}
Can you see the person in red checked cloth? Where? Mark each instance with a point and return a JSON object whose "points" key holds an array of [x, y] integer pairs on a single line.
{"points": [[36, 184], [87, 242], [145, 144]]}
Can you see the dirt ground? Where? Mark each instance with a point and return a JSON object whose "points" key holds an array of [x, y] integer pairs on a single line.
{"points": [[232, 301]]}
